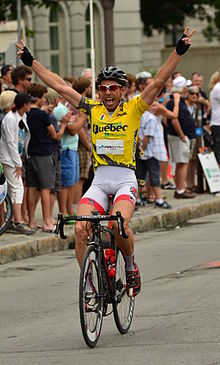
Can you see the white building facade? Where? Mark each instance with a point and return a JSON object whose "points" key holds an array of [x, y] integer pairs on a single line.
{"points": [[60, 39]]}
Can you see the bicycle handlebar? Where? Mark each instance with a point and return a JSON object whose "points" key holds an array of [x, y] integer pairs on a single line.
{"points": [[95, 218]]}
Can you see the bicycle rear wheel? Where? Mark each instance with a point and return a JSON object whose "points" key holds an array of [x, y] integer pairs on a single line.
{"points": [[90, 298], [123, 306], [7, 211]]}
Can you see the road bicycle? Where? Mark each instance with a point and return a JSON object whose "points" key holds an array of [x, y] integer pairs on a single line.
{"points": [[102, 284]]}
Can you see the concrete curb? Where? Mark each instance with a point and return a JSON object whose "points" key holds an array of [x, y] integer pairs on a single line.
{"points": [[140, 223], [34, 247], [174, 217]]}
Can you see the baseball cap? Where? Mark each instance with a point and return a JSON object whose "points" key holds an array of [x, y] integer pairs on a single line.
{"points": [[5, 69], [22, 98], [179, 82]]}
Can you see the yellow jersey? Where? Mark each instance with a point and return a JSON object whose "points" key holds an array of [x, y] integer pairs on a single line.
{"points": [[114, 135]]}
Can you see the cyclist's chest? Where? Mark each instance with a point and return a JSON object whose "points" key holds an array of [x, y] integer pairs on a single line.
{"points": [[111, 127]]}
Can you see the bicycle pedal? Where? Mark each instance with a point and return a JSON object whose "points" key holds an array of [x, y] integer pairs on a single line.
{"points": [[130, 293]]}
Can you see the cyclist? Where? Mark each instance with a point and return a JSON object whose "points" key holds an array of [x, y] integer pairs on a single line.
{"points": [[114, 133]]}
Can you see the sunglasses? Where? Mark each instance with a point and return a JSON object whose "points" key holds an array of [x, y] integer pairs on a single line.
{"points": [[194, 94], [112, 87], [28, 78]]}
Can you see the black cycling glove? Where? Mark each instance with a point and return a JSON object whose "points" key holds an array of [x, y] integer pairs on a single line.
{"points": [[27, 57], [181, 47]]}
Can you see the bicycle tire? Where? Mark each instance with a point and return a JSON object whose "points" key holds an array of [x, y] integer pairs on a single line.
{"points": [[91, 319], [123, 306], [8, 210]]}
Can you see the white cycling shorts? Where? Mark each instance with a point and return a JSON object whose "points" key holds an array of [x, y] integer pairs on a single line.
{"points": [[121, 182]]}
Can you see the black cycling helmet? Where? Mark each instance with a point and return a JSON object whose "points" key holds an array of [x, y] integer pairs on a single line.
{"points": [[112, 73]]}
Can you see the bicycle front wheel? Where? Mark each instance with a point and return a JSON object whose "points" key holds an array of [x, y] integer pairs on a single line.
{"points": [[90, 298], [123, 306], [6, 212]]}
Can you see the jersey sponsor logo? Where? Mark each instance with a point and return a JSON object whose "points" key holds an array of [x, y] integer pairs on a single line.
{"points": [[102, 117], [109, 147], [109, 128]]}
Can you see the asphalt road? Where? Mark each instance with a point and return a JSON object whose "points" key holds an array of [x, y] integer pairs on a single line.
{"points": [[176, 315]]}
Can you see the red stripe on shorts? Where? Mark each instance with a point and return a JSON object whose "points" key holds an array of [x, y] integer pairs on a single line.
{"points": [[125, 197], [92, 202]]}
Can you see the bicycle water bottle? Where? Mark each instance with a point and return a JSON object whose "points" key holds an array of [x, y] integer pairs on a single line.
{"points": [[110, 262]]}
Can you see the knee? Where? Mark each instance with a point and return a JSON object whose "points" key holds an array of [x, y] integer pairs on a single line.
{"points": [[80, 230], [125, 224]]}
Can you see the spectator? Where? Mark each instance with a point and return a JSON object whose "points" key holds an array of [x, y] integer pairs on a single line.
{"points": [[21, 78], [6, 71], [203, 102], [131, 86], [52, 98], [86, 72], [15, 137], [192, 105], [154, 151], [6, 102], [180, 132], [214, 87], [40, 169], [176, 74], [69, 156]]}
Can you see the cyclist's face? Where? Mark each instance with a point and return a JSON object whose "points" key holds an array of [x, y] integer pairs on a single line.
{"points": [[110, 94]]}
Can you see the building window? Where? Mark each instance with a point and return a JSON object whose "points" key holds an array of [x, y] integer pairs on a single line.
{"points": [[54, 40], [97, 37]]}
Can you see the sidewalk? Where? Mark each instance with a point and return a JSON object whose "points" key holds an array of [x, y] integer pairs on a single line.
{"points": [[19, 246]]}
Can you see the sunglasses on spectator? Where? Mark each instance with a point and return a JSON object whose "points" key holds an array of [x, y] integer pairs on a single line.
{"points": [[28, 78], [112, 87], [192, 93]]}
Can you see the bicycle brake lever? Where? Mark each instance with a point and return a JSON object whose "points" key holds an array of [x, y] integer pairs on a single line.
{"points": [[59, 227], [121, 225]]}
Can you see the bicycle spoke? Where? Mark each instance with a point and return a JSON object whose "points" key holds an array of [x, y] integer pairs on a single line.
{"points": [[91, 300], [123, 306]]}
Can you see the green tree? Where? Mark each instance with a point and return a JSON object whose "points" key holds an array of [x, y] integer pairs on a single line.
{"points": [[8, 8], [170, 15]]}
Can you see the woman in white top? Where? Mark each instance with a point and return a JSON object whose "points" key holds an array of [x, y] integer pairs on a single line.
{"points": [[214, 87]]}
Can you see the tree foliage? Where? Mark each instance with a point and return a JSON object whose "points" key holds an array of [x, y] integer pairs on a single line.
{"points": [[165, 15], [8, 8]]}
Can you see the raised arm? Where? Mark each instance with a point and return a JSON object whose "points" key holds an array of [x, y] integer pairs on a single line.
{"points": [[49, 78], [151, 91]]}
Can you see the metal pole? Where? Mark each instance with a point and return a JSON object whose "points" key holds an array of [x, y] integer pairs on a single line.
{"points": [[92, 52], [19, 24]]}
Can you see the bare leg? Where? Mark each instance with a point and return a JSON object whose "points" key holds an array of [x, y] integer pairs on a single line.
{"points": [[52, 202], [31, 205], [126, 245], [62, 199], [191, 172], [81, 233], [69, 202], [180, 175], [164, 172], [17, 212], [45, 202]]}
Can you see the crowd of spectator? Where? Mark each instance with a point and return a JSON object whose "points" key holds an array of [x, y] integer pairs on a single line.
{"points": [[45, 146]]}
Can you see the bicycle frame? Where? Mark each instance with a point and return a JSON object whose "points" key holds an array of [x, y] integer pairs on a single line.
{"points": [[97, 288]]}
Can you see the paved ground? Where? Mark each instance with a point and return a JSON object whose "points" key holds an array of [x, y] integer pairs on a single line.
{"points": [[19, 246]]}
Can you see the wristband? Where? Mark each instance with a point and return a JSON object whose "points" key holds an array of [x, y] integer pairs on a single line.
{"points": [[27, 57], [181, 47]]}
